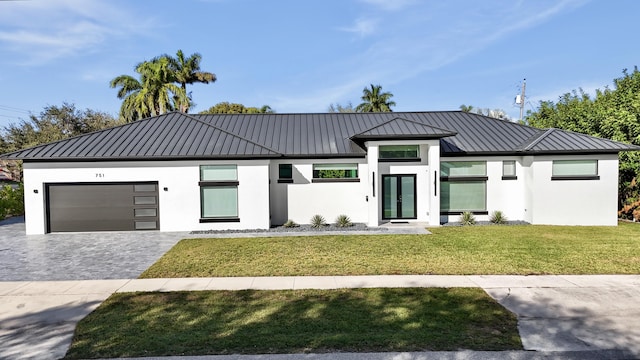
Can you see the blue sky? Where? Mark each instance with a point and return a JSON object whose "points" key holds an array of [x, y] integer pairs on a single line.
{"points": [[301, 56]]}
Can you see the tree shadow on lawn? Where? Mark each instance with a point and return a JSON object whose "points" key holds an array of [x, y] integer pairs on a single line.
{"points": [[295, 321]]}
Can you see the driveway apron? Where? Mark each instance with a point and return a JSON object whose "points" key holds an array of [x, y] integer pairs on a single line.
{"points": [[78, 256]]}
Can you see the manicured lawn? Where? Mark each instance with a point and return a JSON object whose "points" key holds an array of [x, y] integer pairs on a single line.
{"points": [[254, 322], [450, 250]]}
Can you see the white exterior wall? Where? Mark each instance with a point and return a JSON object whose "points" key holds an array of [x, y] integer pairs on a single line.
{"points": [[535, 198], [179, 206], [303, 198], [574, 202], [504, 195], [427, 198]]}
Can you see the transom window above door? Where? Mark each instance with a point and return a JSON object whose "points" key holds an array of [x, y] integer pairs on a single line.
{"points": [[399, 153]]}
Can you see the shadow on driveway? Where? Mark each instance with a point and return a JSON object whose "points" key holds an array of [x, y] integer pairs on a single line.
{"points": [[575, 319]]}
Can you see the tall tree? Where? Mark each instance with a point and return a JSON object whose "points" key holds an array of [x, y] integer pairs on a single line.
{"points": [[155, 93], [612, 113], [338, 108], [235, 108], [187, 71], [495, 113], [374, 100], [52, 124]]}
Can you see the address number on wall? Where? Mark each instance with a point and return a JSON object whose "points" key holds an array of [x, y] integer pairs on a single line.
{"points": [[99, 175]]}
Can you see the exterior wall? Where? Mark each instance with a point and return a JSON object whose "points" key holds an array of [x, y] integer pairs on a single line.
{"points": [[507, 196], [427, 198], [575, 202], [303, 198], [535, 198], [179, 205]]}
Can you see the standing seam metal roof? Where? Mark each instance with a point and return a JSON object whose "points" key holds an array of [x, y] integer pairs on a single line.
{"points": [[183, 136]]}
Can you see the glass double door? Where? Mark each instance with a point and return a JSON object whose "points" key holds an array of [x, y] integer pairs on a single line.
{"points": [[398, 197]]}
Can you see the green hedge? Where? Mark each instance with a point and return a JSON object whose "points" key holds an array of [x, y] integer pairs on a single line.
{"points": [[11, 201]]}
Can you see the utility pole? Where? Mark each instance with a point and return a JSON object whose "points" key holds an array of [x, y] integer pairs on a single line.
{"points": [[521, 100]]}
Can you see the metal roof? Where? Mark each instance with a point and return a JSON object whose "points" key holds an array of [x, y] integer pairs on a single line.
{"points": [[399, 128], [194, 136]]}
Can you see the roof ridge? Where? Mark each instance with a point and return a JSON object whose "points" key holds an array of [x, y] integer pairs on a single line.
{"points": [[596, 137], [232, 134], [552, 130], [537, 140], [403, 119]]}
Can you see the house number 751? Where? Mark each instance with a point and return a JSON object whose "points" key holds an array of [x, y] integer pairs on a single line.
{"points": [[99, 175]]}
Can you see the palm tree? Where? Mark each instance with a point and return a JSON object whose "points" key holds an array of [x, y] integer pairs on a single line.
{"points": [[374, 100], [153, 94], [187, 71]]}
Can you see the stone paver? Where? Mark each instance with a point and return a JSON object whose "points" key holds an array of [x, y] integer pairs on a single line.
{"points": [[78, 256]]}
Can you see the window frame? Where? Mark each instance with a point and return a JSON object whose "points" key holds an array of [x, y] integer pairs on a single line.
{"points": [[222, 183], [470, 179], [399, 159], [353, 167], [513, 176], [285, 180], [576, 176]]}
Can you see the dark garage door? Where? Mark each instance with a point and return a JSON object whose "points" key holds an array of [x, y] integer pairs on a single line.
{"points": [[102, 207]]}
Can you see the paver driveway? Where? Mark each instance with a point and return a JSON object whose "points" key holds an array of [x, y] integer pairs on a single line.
{"points": [[78, 256]]}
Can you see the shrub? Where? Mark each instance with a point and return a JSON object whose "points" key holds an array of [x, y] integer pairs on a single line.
{"points": [[630, 211], [11, 201], [290, 224], [318, 221], [497, 217], [343, 221], [467, 218]]}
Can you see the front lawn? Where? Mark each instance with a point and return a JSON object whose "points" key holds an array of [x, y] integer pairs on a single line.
{"points": [[450, 250], [255, 322]]}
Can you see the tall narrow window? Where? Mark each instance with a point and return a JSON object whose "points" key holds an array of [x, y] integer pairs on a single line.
{"points": [[463, 187], [509, 170], [218, 193]]}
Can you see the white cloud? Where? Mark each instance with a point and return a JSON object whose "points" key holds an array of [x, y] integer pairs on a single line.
{"points": [[362, 27], [419, 40], [37, 32]]}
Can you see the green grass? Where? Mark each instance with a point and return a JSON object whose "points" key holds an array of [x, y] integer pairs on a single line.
{"points": [[254, 322], [450, 250]]}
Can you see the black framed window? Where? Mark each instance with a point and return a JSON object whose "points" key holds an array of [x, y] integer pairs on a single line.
{"points": [[218, 193], [335, 173], [575, 170], [463, 187], [399, 153], [285, 173], [509, 170]]}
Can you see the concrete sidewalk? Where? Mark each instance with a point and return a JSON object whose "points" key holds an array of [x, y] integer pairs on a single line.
{"points": [[573, 314]]}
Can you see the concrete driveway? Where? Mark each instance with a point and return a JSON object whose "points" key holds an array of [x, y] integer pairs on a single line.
{"points": [[78, 256]]}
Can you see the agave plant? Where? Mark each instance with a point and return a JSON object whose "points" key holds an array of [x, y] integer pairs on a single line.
{"points": [[343, 221], [467, 218], [290, 224], [318, 221], [497, 217]]}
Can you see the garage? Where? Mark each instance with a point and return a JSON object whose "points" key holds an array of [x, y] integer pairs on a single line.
{"points": [[74, 207]]}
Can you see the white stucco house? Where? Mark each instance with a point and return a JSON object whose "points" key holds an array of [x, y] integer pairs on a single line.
{"points": [[183, 172]]}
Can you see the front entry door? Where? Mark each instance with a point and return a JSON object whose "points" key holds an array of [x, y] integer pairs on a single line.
{"points": [[398, 197]]}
